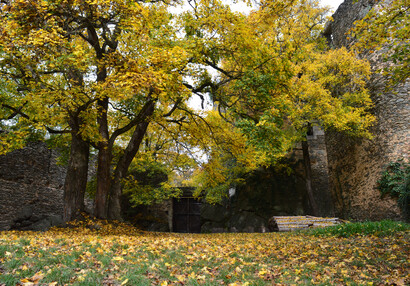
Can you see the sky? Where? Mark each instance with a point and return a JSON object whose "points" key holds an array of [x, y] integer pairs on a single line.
{"points": [[242, 7], [332, 3]]}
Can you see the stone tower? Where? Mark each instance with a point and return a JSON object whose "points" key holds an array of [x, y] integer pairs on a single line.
{"points": [[355, 165]]}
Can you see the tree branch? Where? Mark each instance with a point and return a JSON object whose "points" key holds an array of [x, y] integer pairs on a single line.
{"points": [[179, 100], [140, 117], [19, 112]]}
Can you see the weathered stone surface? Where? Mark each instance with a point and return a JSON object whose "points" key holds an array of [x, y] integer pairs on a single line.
{"points": [[291, 223], [319, 169], [355, 165], [213, 227], [266, 193], [215, 213], [247, 222], [346, 14], [30, 188]]}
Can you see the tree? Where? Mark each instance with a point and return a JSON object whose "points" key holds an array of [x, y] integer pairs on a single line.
{"points": [[163, 164], [99, 70], [40, 87], [48, 53], [275, 77], [385, 29], [104, 71]]}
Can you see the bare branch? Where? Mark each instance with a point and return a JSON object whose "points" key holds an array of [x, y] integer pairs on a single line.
{"points": [[179, 100], [19, 112]]}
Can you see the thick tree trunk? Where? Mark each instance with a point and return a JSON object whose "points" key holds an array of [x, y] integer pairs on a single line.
{"points": [[308, 172], [104, 163], [103, 181], [114, 208], [76, 178]]}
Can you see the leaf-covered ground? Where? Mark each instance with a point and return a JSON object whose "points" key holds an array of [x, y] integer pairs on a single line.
{"points": [[115, 254]]}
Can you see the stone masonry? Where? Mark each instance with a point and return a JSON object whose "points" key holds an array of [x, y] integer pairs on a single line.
{"points": [[355, 165], [320, 175], [31, 188]]}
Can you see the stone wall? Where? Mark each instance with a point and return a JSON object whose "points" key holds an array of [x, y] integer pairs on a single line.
{"points": [[355, 165], [31, 188], [267, 192], [319, 169]]}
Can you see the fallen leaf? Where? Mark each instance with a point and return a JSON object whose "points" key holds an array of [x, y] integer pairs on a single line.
{"points": [[37, 277], [118, 258]]}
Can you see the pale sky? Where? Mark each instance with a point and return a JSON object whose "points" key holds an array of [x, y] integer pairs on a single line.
{"points": [[332, 3], [242, 7]]}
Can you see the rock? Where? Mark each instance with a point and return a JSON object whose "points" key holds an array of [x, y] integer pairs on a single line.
{"points": [[159, 226], [213, 227], [216, 213], [56, 220], [41, 225], [25, 213], [247, 222]]}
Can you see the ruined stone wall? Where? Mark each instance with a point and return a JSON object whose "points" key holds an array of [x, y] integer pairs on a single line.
{"points": [[355, 165], [319, 169], [31, 188], [267, 192]]}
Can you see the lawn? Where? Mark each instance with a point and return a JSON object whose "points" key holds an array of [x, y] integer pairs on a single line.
{"points": [[99, 253]]}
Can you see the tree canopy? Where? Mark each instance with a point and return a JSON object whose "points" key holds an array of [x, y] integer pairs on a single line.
{"points": [[104, 73], [385, 30]]}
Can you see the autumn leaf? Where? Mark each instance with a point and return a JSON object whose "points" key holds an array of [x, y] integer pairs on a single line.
{"points": [[118, 258], [37, 277], [26, 282], [243, 259]]}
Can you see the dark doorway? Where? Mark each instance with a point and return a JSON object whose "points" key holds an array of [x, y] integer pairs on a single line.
{"points": [[186, 215]]}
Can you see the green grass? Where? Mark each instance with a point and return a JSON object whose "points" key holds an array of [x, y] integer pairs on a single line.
{"points": [[380, 228], [354, 254]]}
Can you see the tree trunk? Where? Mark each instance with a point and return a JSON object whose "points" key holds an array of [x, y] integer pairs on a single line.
{"points": [[103, 181], [76, 177], [114, 208], [104, 163], [308, 172]]}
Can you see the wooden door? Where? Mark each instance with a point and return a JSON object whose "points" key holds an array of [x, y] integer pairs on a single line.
{"points": [[187, 215]]}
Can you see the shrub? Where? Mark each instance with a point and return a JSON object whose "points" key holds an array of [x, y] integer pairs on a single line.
{"points": [[395, 180]]}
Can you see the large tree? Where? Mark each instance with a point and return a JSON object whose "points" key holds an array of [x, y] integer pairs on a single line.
{"points": [[103, 71], [276, 78], [94, 69], [44, 87]]}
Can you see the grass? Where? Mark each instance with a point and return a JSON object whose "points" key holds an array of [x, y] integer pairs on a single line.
{"points": [[379, 228], [351, 254]]}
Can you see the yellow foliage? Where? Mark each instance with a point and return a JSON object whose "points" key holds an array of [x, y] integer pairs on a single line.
{"points": [[91, 67]]}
